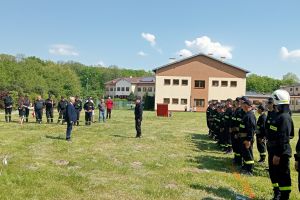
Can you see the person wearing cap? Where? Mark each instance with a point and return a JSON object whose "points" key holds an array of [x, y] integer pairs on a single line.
{"points": [[8, 104], [27, 105], [78, 108], [297, 159], [260, 133], [246, 135], [138, 114], [49, 109], [38, 107], [109, 105], [279, 148], [70, 117], [236, 121], [227, 125], [61, 108], [88, 108]]}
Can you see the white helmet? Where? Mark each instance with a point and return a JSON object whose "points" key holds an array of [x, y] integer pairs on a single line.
{"points": [[281, 97]]}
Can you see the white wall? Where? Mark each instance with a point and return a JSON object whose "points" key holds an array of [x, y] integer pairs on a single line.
{"points": [[223, 93], [123, 83], [172, 91]]}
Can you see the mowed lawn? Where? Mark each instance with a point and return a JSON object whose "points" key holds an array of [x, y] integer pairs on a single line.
{"points": [[174, 160]]}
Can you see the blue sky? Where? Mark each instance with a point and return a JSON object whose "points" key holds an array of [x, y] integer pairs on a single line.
{"points": [[261, 36]]}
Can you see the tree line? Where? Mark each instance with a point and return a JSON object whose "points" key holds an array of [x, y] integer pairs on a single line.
{"points": [[33, 76]]}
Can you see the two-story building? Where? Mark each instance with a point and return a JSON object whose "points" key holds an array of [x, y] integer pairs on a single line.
{"points": [[193, 81], [122, 87], [294, 91]]}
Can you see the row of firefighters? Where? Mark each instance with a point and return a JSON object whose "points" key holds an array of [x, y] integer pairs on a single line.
{"points": [[233, 125]]}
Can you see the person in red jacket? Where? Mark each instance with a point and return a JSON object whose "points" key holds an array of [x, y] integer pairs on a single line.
{"points": [[109, 104]]}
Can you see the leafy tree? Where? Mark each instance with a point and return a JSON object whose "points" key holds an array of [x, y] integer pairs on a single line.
{"points": [[290, 79]]}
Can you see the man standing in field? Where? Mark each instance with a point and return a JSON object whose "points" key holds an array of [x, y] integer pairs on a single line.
{"points": [[78, 108], [138, 113], [49, 109], [27, 105], [8, 104], [297, 159], [38, 109], [109, 104], [88, 108], [70, 117], [61, 108]]}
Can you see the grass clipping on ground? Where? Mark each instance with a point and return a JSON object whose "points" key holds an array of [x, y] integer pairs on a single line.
{"points": [[174, 160]]}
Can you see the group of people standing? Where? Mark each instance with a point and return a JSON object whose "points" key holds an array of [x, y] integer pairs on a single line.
{"points": [[39, 105], [234, 126]]}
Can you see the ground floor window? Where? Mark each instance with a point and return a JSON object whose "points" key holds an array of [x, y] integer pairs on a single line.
{"points": [[199, 102], [167, 100]]}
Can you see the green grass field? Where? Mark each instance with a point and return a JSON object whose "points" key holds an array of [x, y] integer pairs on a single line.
{"points": [[174, 160]]}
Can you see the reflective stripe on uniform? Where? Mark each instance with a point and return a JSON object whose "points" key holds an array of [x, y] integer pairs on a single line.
{"points": [[274, 128], [249, 162], [237, 154], [239, 119], [242, 125], [258, 126], [227, 117], [263, 154], [285, 188], [275, 185]]}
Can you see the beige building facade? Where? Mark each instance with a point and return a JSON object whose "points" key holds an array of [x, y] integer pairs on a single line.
{"points": [[208, 79]]}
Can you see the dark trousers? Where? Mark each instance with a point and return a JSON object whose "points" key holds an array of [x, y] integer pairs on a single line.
{"points": [[138, 124], [69, 130], [247, 155], [49, 115], [227, 138], [88, 118], [236, 148], [26, 114], [61, 116], [78, 116], [280, 175], [108, 113], [8, 114], [261, 147], [39, 115]]}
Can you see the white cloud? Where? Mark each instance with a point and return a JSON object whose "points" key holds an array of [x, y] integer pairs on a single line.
{"points": [[101, 63], [286, 54], [185, 53], [206, 46], [63, 50], [150, 38], [141, 53]]}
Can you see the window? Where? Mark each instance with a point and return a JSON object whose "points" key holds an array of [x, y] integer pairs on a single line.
{"points": [[174, 101], [167, 82], [114, 89], [123, 89], [167, 100], [291, 89], [233, 83], [118, 88], [296, 89], [224, 83], [215, 83], [199, 84], [111, 89], [292, 102], [139, 89], [184, 82], [175, 81], [127, 89], [199, 102], [183, 101], [149, 89], [107, 89], [144, 89]]}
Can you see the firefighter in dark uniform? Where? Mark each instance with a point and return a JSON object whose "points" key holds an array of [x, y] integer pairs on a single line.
{"points": [[38, 109], [260, 133], [21, 109], [78, 108], [217, 122], [88, 108], [234, 132], [278, 136], [246, 135], [49, 109], [27, 105], [208, 118], [138, 115], [297, 159], [8, 104], [61, 108], [213, 120], [227, 126]]}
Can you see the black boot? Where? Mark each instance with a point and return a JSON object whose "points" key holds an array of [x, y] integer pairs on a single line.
{"points": [[6, 118], [285, 195], [27, 119], [77, 123], [51, 120], [9, 117], [276, 193], [48, 121]]}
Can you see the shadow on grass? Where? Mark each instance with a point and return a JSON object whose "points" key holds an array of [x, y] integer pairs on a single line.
{"points": [[55, 137], [122, 136], [220, 192], [204, 143]]}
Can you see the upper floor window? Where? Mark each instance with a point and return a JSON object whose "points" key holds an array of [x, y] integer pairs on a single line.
{"points": [[215, 83], [167, 81], [224, 83], [233, 84], [175, 81], [199, 84], [184, 82]]}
